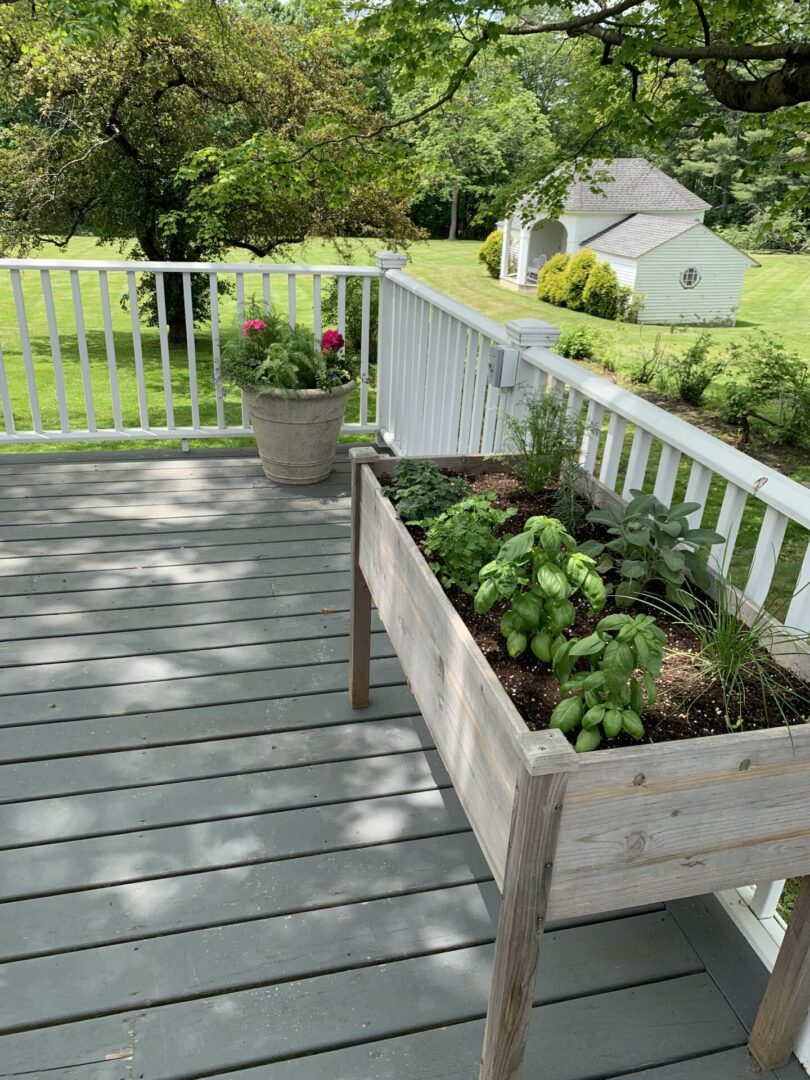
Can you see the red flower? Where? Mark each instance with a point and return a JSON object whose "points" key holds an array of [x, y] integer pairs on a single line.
{"points": [[253, 324], [331, 341]]}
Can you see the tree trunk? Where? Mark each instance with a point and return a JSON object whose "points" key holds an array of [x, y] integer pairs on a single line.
{"points": [[453, 234]]}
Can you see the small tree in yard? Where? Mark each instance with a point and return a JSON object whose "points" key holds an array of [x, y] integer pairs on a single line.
{"points": [[603, 295], [576, 278], [691, 372], [772, 393], [551, 279]]}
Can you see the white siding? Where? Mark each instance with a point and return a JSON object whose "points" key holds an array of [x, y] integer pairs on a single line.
{"points": [[580, 226], [713, 300], [626, 269]]}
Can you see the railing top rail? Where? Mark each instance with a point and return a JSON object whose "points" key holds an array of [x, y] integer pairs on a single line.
{"points": [[773, 488], [190, 267], [491, 329]]}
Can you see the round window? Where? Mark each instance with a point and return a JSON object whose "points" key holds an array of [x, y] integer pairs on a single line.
{"points": [[690, 277]]}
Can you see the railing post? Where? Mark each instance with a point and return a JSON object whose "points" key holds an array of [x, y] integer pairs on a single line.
{"points": [[787, 997], [526, 334], [536, 813], [360, 597], [386, 345]]}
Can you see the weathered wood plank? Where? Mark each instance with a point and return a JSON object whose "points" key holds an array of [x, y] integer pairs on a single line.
{"points": [[173, 541], [374, 1004], [473, 722], [132, 809], [105, 702], [322, 704], [335, 560], [248, 492], [117, 978], [222, 757], [155, 907], [74, 624], [134, 528], [360, 607], [201, 593], [34, 680], [165, 641], [80, 864]]}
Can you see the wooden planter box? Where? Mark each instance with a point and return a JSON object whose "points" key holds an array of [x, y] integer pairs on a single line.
{"points": [[566, 834]]}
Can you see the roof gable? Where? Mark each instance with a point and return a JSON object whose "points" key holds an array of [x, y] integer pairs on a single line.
{"points": [[636, 187], [641, 233]]}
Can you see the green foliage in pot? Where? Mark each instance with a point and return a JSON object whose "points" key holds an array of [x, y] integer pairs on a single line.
{"points": [[490, 253], [539, 570], [607, 679], [421, 493], [652, 543], [462, 539], [267, 353]]}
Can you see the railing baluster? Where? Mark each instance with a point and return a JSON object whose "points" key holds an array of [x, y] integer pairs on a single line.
{"points": [[240, 298], [766, 556], [215, 351], [5, 398], [479, 398], [440, 325], [728, 525], [267, 298], [341, 304], [365, 332], [451, 394], [612, 455], [84, 358], [667, 475], [109, 345], [191, 349], [490, 419], [137, 349], [697, 490], [590, 438], [316, 309], [474, 355], [576, 400], [637, 462], [291, 299], [27, 355], [56, 349], [798, 616], [165, 355]]}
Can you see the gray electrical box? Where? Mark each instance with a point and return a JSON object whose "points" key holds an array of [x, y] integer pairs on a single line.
{"points": [[503, 367]]}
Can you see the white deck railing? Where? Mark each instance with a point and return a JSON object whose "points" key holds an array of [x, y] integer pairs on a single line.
{"points": [[50, 403], [434, 390]]}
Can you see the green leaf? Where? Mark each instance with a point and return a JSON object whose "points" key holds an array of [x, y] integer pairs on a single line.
{"points": [[703, 537], [541, 646], [516, 643], [593, 716], [636, 697], [587, 646], [650, 689], [612, 622], [592, 548], [633, 569], [552, 581], [567, 715], [587, 740], [486, 597], [631, 722], [674, 558], [612, 723], [681, 510]]}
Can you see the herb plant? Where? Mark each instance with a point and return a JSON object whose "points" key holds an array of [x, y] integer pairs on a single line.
{"points": [[462, 539], [267, 353], [539, 570], [421, 493], [608, 679], [652, 543]]}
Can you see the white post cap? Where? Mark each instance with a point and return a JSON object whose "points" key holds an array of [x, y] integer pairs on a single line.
{"points": [[390, 260], [526, 333]]}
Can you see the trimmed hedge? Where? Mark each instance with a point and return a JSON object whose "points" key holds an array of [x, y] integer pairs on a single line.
{"points": [[583, 283], [490, 253], [551, 279], [603, 295], [576, 278]]}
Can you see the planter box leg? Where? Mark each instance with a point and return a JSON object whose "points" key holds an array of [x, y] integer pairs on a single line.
{"points": [[787, 996], [360, 618], [532, 843]]}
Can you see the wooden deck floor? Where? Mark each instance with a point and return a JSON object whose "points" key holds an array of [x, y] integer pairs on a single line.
{"points": [[211, 867]]}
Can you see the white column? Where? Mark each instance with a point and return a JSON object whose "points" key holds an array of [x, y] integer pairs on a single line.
{"points": [[523, 256], [506, 229]]}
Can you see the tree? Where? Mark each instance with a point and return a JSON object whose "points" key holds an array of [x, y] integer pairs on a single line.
{"points": [[195, 131], [477, 143]]}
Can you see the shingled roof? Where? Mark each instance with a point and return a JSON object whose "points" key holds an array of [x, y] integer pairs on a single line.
{"points": [[637, 235], [637, 187]]}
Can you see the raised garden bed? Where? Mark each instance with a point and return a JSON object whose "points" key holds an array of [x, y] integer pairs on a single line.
{"points": [[569, 834]]}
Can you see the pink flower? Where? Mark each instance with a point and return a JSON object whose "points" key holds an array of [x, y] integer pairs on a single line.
{"points": [[253, 324], [331, 341]]}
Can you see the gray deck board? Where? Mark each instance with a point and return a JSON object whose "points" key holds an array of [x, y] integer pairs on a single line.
{"points": [[211, 865]]}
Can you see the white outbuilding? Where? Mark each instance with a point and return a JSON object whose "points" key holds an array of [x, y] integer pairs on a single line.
{"points": [[650, 229]]}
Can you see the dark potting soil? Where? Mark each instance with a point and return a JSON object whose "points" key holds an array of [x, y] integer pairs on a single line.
{"points": [[689, 703]]}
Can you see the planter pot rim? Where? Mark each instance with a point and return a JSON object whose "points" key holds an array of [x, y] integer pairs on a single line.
{"points": [[276, 392]]}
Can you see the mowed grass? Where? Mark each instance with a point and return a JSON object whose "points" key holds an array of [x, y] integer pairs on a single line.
{"points": [[773, 300]]}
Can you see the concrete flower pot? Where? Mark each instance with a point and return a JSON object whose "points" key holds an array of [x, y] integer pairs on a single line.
{"points": [[297, 431]]}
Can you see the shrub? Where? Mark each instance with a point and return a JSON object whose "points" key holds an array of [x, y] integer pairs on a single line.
{"points": [[463, 539], [551, 279], [490, 253], [651, 365], [267, 353], [354, 315], [603, 295], [576, 278], [690, 373], [420, 492], [773, 393], [577, 343]]}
